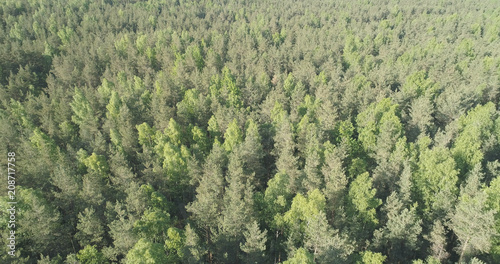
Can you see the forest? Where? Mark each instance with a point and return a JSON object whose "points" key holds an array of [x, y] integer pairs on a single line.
{"points": [[248, 132]]}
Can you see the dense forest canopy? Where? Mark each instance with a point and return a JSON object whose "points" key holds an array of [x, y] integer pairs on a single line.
{"points": [[274, 131]]}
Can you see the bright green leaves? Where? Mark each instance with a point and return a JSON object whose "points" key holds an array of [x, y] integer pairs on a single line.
{"points": [[368, 257], [435, 180], [114, 106], [225, 91], [145, 252], [83, 112], [301, 212], [476, 132], [418, 84], [146, 134], [90, 255], [233, 136], [362, 203], [98, 164], [121, 45], [174, 132], [229, 87], [44, 144], [153, 225], [200, 140], [174, 244], [155, 220], [351, 55], [276, 199], [379, 126], [301, 256], [193, 107], [175, 163]]}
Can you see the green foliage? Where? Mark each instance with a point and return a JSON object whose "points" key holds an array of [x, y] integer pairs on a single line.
{"points": [[401, 231], [475, 129], [83, 112], [146, 252], [90, 229], [435, 181], [174, 244], [90, 255], [379, 126], [362, 203], [233, 136], [472, 221], [368, 257], [311, 132], [301, 256], [255, 244]]}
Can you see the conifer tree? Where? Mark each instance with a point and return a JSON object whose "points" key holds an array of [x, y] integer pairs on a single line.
{"points": [[472, 221], [255, 244]]}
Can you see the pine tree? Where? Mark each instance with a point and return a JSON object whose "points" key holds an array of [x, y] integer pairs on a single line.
{"points": [[326, 244], [472, 221], [192, 252], [208, 204], [253, 153], [335, 178], [437, 239], [254, 246], [399, 236], [90, 228], [285, 147]]}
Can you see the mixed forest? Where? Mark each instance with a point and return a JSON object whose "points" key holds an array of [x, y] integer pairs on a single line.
{"points": [[273, 131]]}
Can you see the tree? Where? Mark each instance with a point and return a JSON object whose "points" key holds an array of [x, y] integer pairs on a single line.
{"points": [[90, 228], [325, 243], [233, 136], [192, 251], [237, 209], [368, 257], [400, 235], [174, 245], [254, 246], [313, 160], [253, 152], [284, 148], [84, 116], [437, 239], [146, 252], [90, 255], [208, 204], [37, 223], [379, 128], [493, 202], [472, 221], [362, 205], [475, 129], [301, 210], [435, 180], [301, 256], [334, 177]]}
